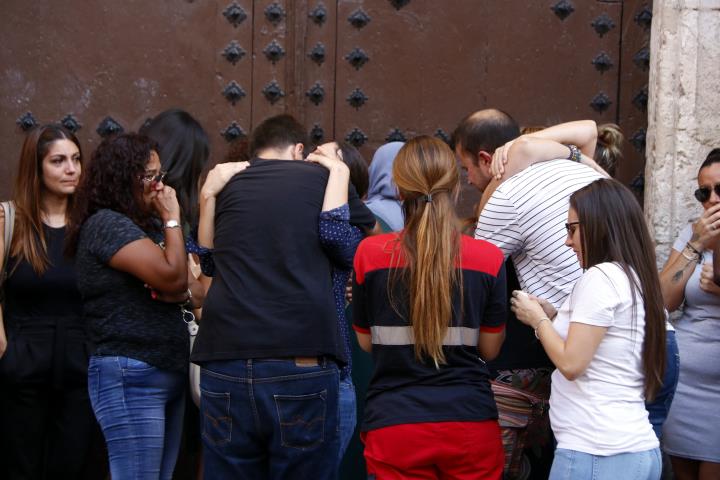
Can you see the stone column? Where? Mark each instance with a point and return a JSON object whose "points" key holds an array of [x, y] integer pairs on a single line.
{"points": [[683, 112]]}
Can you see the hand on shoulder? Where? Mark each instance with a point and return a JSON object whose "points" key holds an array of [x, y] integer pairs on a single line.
{"points": [[220, 175]]}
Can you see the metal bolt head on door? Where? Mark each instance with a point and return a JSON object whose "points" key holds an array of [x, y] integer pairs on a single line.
{"points": [[317, 54], [275, 13], [109, 127], [234, 14], [563, 9], [274, 51], [233, 53], [273, 93], [316, 94], [357, 58], [71, 123], [359, 18], [233, 132], [26, 121]]}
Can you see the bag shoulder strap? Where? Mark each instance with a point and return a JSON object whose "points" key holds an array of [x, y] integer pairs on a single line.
{"points": [[9, 211]]}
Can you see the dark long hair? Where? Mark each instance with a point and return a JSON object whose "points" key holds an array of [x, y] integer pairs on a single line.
{"points": [[184, 149], [613, 229], [114, 181], [427, 176], [358, 168], [28, 238]]}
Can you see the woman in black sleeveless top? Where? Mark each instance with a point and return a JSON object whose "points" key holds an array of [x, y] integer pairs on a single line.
{"points": [[45, 415]]}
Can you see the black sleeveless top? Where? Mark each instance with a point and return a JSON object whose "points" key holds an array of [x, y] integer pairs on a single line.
{"points": [[43, 319]]}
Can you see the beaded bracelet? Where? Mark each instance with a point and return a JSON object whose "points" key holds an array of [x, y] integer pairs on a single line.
{"points": [[575, 154]]}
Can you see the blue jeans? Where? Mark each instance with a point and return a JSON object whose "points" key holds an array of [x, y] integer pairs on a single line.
{"points": [[140, 410], [660, 407], [347, 414], [574, 465], [269, 418]]}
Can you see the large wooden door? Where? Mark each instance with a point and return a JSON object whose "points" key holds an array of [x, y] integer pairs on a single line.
{"points": [[363, 70]]}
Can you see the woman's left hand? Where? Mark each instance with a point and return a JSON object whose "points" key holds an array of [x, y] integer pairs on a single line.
{"points": [[526, 309], [707, 283]]}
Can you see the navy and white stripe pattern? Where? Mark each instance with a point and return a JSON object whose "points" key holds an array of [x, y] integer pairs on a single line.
{"points": [[525, 217]]}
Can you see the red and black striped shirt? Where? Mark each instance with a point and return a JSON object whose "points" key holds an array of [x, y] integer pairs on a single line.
{"points": [[402, 389]]}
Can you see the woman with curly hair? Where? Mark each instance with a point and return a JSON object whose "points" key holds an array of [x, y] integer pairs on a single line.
{"points": [[45, 416], [129, 254]]}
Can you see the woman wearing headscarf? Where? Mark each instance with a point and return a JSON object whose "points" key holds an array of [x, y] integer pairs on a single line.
{"points": [[383, 198]]}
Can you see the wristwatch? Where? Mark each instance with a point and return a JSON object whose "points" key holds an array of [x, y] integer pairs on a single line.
{"points": [[172, 224]]}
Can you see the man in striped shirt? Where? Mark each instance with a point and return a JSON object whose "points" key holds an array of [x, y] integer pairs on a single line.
{"points": [[524, 214]]}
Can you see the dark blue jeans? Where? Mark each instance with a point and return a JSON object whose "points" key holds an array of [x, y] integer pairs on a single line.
{"points": [[269, 419], [660, 407], [140, 410]]}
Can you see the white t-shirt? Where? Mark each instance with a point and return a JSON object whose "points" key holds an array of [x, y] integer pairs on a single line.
{"points": [[525, 217], [603, 411]]}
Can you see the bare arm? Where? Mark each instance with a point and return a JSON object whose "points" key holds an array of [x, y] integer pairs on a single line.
{"points": [[581, 133], [164, 270], [489, 344], [673, 278], [515, 156], [336, 191], [572, 355], [364, 340], [542, 146], [680, 265], [215, 182]]}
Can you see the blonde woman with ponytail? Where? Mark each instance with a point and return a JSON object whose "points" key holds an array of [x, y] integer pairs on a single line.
{"points": [[429, 303]]}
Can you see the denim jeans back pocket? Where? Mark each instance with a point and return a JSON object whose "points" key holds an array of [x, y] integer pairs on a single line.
{"points": [[302, 419], [216, 422]]}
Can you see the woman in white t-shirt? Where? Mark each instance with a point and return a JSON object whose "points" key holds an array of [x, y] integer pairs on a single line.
{"points": [[607, 341]]}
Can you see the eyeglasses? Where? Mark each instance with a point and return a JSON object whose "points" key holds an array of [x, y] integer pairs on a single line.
{"points": [[153, 178], [570, 227], [703, 193]]}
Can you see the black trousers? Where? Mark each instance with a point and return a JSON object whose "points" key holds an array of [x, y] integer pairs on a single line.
{"points": [[46, 422], [45, 432]]}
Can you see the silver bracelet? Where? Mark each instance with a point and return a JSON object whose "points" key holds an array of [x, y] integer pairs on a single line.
{"points": [[538, 326]]}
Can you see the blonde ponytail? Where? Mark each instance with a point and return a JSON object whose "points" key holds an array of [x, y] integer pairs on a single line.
{"points": [[426, 174]]}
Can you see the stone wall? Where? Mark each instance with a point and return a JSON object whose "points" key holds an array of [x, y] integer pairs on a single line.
{"points": [[683, 112]]}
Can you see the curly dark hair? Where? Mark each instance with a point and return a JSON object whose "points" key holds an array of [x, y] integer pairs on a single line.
{"points": [[113, 180]]}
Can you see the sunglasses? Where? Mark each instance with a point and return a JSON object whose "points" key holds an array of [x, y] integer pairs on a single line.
{"points": [[570, 227], [703, 193], [153, 178]]}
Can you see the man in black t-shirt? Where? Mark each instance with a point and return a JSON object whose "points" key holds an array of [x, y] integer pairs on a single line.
{"points": [[269, 344]]}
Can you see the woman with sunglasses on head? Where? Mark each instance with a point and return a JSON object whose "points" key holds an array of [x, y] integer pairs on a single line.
{"points": [[130, 253], [691, 435], [607, 341], [45, 416]]}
